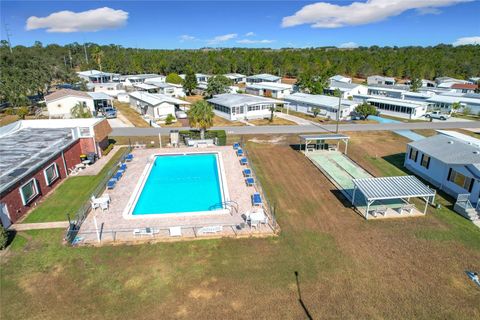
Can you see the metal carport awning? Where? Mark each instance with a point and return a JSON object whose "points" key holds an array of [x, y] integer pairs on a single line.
{"points": [[386, 188], [324, 136]]}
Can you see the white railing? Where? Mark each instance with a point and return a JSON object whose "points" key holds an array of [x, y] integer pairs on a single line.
{"points": [[464, 202]]}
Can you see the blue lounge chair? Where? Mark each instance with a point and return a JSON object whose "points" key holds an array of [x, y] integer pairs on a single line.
{"points": [[111, 183], [123, 166], [256, 199], [118, 175], [243, 161], [239, 152], [250, 181], [247, 172], [129, 157], [236, 145]]}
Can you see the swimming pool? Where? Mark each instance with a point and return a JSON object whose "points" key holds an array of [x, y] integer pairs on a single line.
{"points": [[180, 184]]}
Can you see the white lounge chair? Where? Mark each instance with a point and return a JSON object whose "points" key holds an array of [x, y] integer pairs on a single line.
{"points": [[175, 231], [104, 205], [145, 232], [210, 229]]}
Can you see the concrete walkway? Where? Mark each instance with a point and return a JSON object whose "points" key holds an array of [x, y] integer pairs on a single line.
{"points": [[297, 120], [95, 168], [39, 226]]}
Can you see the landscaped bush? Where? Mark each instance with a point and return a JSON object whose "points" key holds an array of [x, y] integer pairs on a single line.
{"points": [[210, 134], [108, 149], [169, 120], [3, 237]]}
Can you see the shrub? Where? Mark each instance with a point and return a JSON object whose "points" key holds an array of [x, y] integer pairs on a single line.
{"points": [[3, 237], [108, 149], [170, 118], [22, 112], [9, 111]]}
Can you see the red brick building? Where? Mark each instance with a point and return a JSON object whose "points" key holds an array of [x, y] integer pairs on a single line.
{"points": [[38, 154]]}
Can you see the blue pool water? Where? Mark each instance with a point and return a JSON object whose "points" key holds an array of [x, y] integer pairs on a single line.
{"points": [[406, 133], [181, 183]]}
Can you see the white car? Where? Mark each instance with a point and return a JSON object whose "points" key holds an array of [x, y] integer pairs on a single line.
{"points": [[437, 115], [181, 115]]}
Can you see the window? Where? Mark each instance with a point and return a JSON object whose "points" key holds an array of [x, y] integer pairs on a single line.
{"points": [[413, 154], [84, 132], [425, 162], [29, 191], [460, 180], [51, 173]]}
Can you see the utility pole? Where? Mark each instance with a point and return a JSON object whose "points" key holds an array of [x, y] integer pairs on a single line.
{"points": [[338, 111], [85, 51], [70, 56], [7, 33]]}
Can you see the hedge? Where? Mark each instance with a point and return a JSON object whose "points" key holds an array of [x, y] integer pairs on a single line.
{"points": [[210, 134]]}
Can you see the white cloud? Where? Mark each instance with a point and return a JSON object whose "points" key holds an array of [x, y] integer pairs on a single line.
{"points": [[222, 38], [327, 15], [249, 34], [348, 45], [69, 21], [467, 40], [250, 41], [186, 37]]}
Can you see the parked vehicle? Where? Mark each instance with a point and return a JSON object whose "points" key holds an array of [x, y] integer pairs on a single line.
{"points": [[437, 115], [181, 115], [110, 112]]}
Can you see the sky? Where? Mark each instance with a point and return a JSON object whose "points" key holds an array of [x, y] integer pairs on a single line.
{"points": [[274, 24]]}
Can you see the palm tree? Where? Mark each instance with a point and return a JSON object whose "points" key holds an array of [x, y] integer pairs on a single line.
{"points": [[80, 111], [97, 55], [201, 116]]}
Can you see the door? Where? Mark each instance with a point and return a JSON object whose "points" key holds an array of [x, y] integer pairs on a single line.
{"points": [[4, 216]]}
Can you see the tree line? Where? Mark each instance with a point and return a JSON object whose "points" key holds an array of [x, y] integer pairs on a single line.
{"points": [[28, 71]]}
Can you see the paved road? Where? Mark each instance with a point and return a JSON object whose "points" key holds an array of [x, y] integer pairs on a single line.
{"points": [[132, 132]]}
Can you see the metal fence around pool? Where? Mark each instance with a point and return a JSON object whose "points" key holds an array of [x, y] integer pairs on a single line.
{"points": [[76, 221]]}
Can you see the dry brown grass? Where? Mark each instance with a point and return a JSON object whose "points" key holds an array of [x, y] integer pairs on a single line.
{"points": [[277, 121], [348, 268], [7, 119], [132, 116], [222, 122]]}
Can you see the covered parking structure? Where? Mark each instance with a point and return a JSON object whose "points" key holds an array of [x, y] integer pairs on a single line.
{"points": [[319, 141], [386, 189]]}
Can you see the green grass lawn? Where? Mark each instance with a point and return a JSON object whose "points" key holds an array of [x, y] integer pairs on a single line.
{"points": [[348, 268], [69, 196]]}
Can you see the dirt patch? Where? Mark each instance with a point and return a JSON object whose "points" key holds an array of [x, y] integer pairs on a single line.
{"points": [[276, 140]]}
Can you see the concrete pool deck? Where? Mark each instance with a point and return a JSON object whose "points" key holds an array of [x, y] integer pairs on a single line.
{"points": [[112, 226]]}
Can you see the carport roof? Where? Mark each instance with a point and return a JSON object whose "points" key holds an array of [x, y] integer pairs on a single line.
{"points": [[400, 187]]}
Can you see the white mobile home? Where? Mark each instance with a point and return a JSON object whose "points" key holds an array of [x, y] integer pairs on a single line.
{"points": [[340, 78], [328, 105], [242, 106], [169, 89], [95, 76], [269, 89], [60, 103], [347, 89], [445, 101], [450, 161], [393, 91], [407, 109], [129, 80], [156, 106], [110, 88], [263, 77], [376, 79], [236, 77]]}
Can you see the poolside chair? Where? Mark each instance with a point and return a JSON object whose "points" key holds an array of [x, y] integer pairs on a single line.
{"points": [[256, 199], [129, 157], [123, 166], [118, 175], [236, 145], [250, 181], [247, 172], [111, 183], [243, 161], [407, 207], [240, 152], [175, 231], [380, 210], [104, 205], [145, 232], [210, 229]]}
